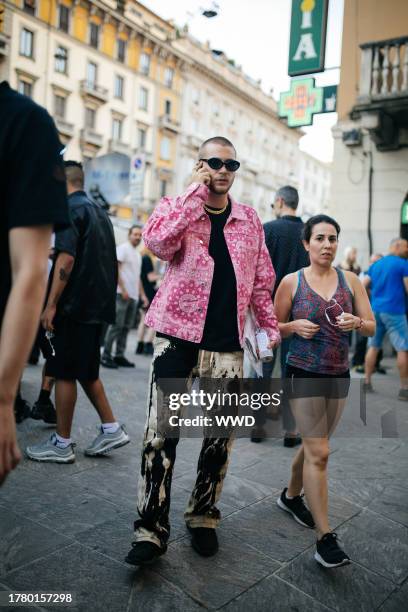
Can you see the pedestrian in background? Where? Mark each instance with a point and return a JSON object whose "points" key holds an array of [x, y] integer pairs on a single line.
{"points": [[149, 278], [80, 299], [34, 200], [127, 298], [283, 238], [349, 263], [387, 280]]}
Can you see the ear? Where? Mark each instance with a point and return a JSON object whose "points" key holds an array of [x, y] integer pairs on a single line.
{"points": [[306, 245]]}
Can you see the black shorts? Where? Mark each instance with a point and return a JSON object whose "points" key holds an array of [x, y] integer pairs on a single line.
{"points": [[302, 383], [77, 351]]}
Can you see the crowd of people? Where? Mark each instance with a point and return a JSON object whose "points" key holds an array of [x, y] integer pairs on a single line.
{"points": [[221, 263]]}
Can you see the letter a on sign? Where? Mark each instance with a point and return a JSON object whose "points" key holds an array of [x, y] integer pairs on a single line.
{"points": [[307, 36]]}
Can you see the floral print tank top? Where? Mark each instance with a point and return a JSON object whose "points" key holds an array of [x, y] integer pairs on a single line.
{"points": [[327, 351]]}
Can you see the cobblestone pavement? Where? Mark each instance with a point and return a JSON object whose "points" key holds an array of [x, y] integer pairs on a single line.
{"points": [[67, 528]]}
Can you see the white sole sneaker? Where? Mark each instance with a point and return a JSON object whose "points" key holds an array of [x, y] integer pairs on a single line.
{"points": [[50, 458], [320, 560], [286, 509], [105, 445]]}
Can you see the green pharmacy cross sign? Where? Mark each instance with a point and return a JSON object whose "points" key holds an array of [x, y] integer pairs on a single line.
{"points": [[304, 100]]}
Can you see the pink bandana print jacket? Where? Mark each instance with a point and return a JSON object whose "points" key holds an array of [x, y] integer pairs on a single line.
{"points": [[178, 231]]}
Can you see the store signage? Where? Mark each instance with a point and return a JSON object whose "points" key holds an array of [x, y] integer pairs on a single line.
{"points": [[307, 44]]}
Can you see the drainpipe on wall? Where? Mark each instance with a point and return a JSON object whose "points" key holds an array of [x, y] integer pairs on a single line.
{"points": [[370, 203]]}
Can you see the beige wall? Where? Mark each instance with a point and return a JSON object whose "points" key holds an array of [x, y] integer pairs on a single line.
{"points": [[366, 21]]}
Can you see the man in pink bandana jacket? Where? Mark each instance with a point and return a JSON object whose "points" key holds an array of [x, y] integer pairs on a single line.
{"points": [[218, 267]]}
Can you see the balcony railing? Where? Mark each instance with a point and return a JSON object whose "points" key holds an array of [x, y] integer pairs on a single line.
{"points": [[167, 123], [91, 137], [64, 128], [384, 70], [89, 88]]}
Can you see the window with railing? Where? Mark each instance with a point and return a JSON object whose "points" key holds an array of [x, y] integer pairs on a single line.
{"points": [[141, 138], [60, 103], [90, 118], [61, 60], [27, 43], [144, 64], [29, 6], [167, 108], [165, 147], [168, 77], [118, 87], [117, 128], [143, 98], [25, 88], [91, 74]]}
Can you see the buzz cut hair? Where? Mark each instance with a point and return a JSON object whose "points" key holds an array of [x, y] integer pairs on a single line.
{"points": [[74, 173], [219, 140]]}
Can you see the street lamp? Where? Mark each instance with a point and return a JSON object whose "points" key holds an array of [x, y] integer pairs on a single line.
{"points": [[211, 11]]}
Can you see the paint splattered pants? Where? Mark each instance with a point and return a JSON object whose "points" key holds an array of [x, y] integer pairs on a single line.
{"points": [[178, 360]]}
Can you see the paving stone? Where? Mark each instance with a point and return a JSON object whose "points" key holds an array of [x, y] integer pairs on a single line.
{"points": [[66, 508], [22, 540], [397, 601], [377, 543], [152, 592], [347, 588], [273, 589], [269, 529], [392, 503], [214, 581], [5, 589], [97, 582], [360, 491]]}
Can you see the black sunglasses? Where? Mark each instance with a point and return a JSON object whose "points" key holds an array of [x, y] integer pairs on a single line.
{"points": [[217, 163]]}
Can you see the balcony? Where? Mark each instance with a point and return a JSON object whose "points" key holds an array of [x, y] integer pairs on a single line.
{"points": [[90, 137], [167, 123], [64, 128], [117, 146], [91, 90], [382, 104], [148, 155]]}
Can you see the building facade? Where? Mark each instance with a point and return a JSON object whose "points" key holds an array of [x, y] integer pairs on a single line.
{"points": [[219, 99], [107, 73], [314, 180], [370, 167]]}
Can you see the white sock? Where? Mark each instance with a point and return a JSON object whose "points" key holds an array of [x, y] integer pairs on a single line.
{"points": [[62, 442], [110, 428], [288, 496]]}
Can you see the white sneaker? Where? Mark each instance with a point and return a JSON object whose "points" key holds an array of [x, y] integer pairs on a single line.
{"points": [[106, 442], [49, 451]]}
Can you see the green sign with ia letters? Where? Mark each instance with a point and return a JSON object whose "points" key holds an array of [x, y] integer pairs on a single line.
{"points": [[307, 44]]}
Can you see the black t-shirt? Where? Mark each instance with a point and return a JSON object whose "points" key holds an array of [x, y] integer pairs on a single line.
{"points": [[90, 294], [283, 239], [32, 177], [221, 323], [148, 286]]}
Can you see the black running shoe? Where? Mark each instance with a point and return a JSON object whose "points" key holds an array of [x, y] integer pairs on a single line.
{"points": [[123, 362], [144, 553], [291, 441], [22, 409], [44, 410], [297, 509], [328, 552], [204, 540]]}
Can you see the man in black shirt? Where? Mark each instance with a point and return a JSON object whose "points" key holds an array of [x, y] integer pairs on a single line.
{"points": [[33, 200], [81, 298], [283, 238], [218, 267]]}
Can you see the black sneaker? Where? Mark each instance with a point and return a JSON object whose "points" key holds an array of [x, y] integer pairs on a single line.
{"points": [[328, 552], [291, 441], [258, 434], [44, 410], [144, 553], [22, 409], [108, 362], [140, 348], [148, 348], [204, 540], [297, 509], [123, 362]]}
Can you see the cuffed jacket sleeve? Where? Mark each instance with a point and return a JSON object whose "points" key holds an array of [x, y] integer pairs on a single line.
{"points": [[165, 228]]}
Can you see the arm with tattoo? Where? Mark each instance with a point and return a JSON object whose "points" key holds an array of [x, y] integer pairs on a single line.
{"points": [[62, 271]]}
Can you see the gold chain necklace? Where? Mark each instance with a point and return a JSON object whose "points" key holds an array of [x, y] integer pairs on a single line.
{"points": [[215, 212]]}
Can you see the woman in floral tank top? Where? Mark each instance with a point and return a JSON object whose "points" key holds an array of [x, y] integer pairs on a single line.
{"points": [[318, 306]]}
